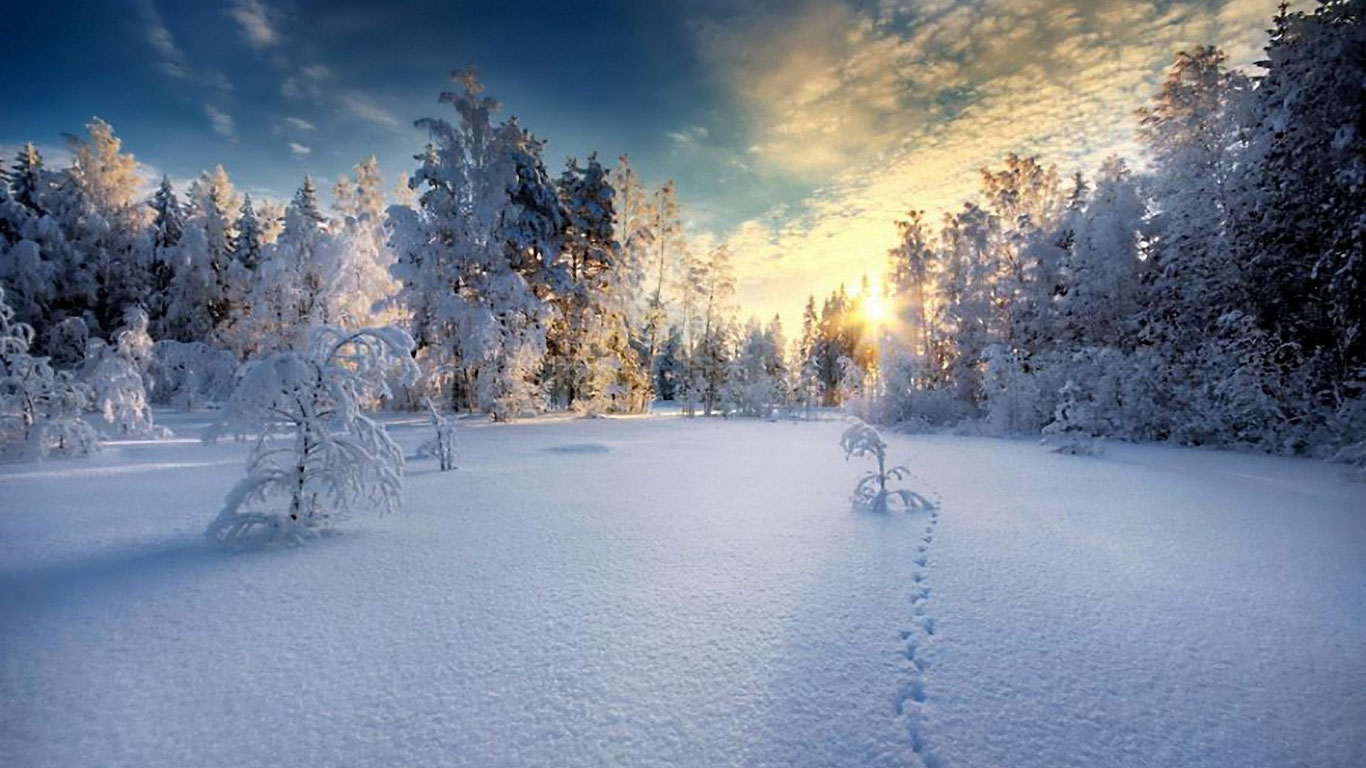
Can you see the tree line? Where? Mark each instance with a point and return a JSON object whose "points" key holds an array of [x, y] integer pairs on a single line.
{"points": [[1212, 296]]}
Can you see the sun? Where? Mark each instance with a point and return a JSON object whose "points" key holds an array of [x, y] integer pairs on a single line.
{"points": [[875, 309]]}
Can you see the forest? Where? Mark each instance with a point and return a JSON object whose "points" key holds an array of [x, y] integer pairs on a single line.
{"points": [[1208, 293]]}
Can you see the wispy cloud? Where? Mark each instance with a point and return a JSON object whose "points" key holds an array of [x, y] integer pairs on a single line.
{"points": [[299, 124], [299, 150], [688, 137], [170, 59], [221, 121], [257, 25], [306, 83], [365, 108], [899, 107]]}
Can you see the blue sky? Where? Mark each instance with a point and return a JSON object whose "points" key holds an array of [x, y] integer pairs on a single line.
{"points": [[797, 131]]}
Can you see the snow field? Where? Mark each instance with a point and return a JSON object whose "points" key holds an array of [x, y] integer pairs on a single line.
{"points": [[675, 592]]}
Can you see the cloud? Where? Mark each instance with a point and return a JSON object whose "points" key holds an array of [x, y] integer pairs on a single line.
{"points": [[255, 20], [365, 108], [688, 137], [221, 121], [299, 149], [885, 110], [170, 59], [299, 124]]}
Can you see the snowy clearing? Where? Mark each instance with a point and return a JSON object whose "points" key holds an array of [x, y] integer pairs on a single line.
{"points": [[691, 592]]}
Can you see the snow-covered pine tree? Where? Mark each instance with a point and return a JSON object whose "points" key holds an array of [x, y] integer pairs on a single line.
{"points": [[168, 226], [478, 258], [32, 245], [598, 369], [1298, 191], [296, 283], [1194, 278], [337, 461], [199, 293]]}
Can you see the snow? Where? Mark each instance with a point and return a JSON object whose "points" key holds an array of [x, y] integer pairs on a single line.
{"points": [[661, 591]]}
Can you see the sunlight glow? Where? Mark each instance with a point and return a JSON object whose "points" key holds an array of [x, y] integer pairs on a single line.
{"points": [[875, 308]]}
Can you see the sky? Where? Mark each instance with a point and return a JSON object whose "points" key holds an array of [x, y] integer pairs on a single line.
{"points": [[797, 132]]}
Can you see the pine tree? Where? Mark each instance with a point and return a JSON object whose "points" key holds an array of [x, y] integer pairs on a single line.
{"points": [[28, 180], [480, 256]]}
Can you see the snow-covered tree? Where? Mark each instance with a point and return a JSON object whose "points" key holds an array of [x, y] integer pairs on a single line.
{"points": [[200, 298], [713, 350], [358, 256], [337, 460], [168, 227], [40, 408], [478, 258], [1101, 271], [118, 375], [1073, 428], [756, 381], [112, 237], [668, 251], [191, 374]]}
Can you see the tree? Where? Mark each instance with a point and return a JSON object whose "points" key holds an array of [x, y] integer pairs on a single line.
{"points": [[338, 459], [713, 347], [40, 409], [1299, 190], [669, 249], [168, 227], [478, 258], [118, 376], [360, 253], [871, 493], [201, 289], [114, 245]]}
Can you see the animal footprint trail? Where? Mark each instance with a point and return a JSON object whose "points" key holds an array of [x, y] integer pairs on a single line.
{"points": [[913, 697]]}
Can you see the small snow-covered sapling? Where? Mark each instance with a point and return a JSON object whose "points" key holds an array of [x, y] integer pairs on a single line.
{"points": [[871, 493], [442, 444]]}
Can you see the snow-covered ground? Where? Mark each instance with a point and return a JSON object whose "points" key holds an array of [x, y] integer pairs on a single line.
{"points": [[695, 593]]}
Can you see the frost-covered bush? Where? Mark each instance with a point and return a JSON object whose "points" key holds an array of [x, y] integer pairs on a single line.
{"points": [[1073, 429], [40, 408], [333, 459], [871, 493], [441, 446], [189, 374], [118, 376], [66, 342]]}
